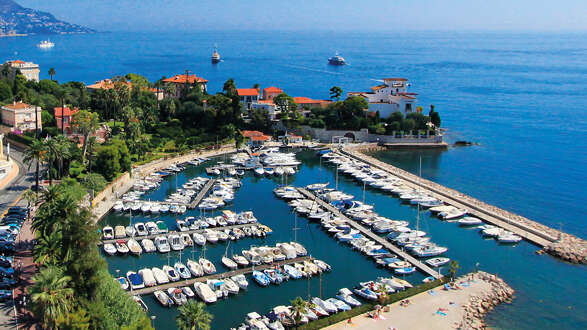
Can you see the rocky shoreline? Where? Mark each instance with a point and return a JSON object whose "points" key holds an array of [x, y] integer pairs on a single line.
{"points": [[564, 246], [479, 305]]}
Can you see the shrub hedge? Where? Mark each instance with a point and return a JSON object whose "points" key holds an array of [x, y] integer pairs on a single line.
{"points": [[392, 298]]}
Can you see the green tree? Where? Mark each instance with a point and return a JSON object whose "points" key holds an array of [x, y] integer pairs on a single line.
{"points": [[108, 162], [75, 320], [86, 123], [50, 295], [238, 139], [434, 117], [299, 308], [62, 94], [5, 91], [35, 152], [335, 93], [453, 269], [285, 103], [193, 316], [47, 251], [52, 73]]}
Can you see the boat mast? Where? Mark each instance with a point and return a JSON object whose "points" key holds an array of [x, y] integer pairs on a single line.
{"points": [[295, 228]]}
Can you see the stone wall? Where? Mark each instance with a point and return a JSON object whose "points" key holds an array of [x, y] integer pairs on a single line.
{"points": [[363, 135]]}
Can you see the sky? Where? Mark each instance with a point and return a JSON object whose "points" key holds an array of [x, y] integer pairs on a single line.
{"points": [[338, 15]]}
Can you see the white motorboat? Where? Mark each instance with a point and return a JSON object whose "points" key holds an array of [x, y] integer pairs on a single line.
{"points": [[119, 232], [135, 280], [176, 242], [452, 214], [152, 228], [205, 293], [240, 260], [470, 221], [241, 280], [231, 286], [366, 293], [340, 305], [287, 249], [507, 237], [141, 230], [148, 277], [109, 249], [195, 268], [171, 273], [327, 306], [162, 244], [187, 240], [121, 246], [182, 270], [118, 206], [211, 235], [123, 283], [134, 247], [437, 262], [177, 295], [148, 245], [160, 275], [429, 250], [259, 171], [199, 239], [46, 44], [130, 231], [188, 292], [163, 298], [300, 249], [208, 266], [346, 295], [107, 233], [229, 263]]}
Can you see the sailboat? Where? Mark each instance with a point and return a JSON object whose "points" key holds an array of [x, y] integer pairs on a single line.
{"points": [[215, 56], [227, 262]]}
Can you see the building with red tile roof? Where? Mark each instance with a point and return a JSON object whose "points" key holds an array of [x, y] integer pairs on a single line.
{"points": [[29, 70], [248, 97], [270, 92], [181, 81], [67, 117], [248, 134], [389, 97]]}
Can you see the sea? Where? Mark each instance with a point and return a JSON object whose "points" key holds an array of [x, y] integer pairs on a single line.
{"points": [[520, 97]]}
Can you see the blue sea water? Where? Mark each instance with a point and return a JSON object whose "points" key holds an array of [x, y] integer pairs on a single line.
{"points": [[521, 96]]}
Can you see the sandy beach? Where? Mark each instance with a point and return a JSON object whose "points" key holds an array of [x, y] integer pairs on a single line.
{"points": [[438, 309]]}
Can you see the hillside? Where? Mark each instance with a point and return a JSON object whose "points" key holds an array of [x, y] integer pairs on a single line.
{"points": [[15, 19]]}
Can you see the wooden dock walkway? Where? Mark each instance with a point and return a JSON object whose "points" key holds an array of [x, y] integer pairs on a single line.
{"points": [[368, 233], [191, 281], [530, 234], [202, 194], [189, 232]]}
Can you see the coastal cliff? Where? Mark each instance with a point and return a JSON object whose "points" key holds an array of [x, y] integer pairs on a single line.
{"points": [[17, 20]]}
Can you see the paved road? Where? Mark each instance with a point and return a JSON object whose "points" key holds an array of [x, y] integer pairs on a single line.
{"points": [[22, 182], [8, 196]]}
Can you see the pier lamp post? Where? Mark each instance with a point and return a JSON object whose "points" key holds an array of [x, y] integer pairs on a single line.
{"points": [[439, 271], [153, 317]]}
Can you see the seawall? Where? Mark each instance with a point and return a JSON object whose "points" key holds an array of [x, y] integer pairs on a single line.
{"points": [[559, 244]]}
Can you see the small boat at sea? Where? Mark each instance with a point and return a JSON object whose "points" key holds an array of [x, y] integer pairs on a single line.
{"points": [[135, 280], [188, 292], [340, 305], [148, 277], [119, 232], [507, 237], [162, 226], [469, 221], [195, 268], [241, 281], [160, 275], [176, 294], [109, 249], [182, 270], [261, 278], [141, 230], [229, 263], [346, 295], [148, 245], [107, 233], [199, 239], [46, 44], [326, 305], [123, 283], [405, 271], [163, 298], [336, 60], [215, 56], [365, 293], [171, 273], [121, 246], [437, 262], [162, 244], [152, 228], [141, 303], [259, 171], [207, 265], [205, 293], [134, 247]]}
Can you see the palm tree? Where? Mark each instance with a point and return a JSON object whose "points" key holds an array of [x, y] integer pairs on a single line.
{"points": [[193, 316], [31, 197], [299, 308], [453, 268], [51, 295], [51, 73], [35, 152], [47, 251], [51, 148], [62, 145]]}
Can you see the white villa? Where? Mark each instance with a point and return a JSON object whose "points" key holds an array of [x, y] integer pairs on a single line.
{"points": [[29, 70], [389, 97]]}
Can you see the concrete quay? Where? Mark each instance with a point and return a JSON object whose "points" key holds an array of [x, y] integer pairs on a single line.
{"points": [[191, 281], [202, 194], [368, 233], [559, 244]]}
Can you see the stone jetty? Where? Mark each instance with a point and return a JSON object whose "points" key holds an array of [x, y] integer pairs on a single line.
{"points": [[482, 303], [559, 244]]}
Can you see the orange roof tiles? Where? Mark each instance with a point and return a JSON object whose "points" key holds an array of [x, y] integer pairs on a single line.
{"points": [[182, 78], [376, 88], [68, 112], [248, 92], [273, 89], [261, 138], [17, 106], [252, 133], [108, 84]]}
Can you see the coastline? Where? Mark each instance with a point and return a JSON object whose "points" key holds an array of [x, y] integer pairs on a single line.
{"points": [[462, 308], [558, 244]]}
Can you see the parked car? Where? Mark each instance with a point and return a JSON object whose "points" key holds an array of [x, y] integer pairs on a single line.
{"points": [[6, 261], [7, 283], [5, 295], [7, 271]]}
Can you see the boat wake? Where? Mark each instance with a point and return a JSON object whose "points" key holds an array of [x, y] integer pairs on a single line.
{"points": [[311, 69]]}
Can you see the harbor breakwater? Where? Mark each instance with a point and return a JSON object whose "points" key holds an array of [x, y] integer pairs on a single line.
{"points": [[558, 244], [480, 304]]}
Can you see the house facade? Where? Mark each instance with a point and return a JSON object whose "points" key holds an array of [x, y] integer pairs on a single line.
{"points": [[271, 92], [389, 97], [183, 81], [255, 138], [64, 116], [29, 70], [21, 116], [247, 97]]}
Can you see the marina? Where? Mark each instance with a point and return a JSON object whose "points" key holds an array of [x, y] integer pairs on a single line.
{"points": [[256, 194]]}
